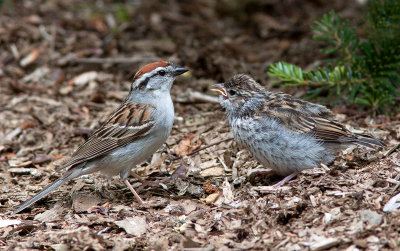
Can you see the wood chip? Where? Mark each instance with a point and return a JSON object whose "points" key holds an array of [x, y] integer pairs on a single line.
{"points": [[30, 58], [136, 226], [227, 192], [23, 171], [324, 244], [6, 223], [213, 171], [271, 189], [210, 199], [53, 214], [83, 78]]}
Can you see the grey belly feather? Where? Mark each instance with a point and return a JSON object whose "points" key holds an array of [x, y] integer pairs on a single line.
{"points": [[278, 148]]}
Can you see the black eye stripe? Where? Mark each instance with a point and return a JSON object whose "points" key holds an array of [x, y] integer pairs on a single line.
{"points": [[232, 92], [145, 81], [143, 84]]}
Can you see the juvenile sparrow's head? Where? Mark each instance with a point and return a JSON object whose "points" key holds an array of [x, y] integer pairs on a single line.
{"points": [[240, 94], [156, 77]]}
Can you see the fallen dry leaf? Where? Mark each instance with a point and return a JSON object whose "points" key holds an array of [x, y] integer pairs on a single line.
{"points": [[83, 202], [187, 145]]}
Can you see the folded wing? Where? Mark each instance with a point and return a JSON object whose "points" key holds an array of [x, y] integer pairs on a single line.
{"points": [[129, 122]]}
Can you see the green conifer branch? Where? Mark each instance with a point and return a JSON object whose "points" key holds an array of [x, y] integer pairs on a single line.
{"points": [[367, 72]]}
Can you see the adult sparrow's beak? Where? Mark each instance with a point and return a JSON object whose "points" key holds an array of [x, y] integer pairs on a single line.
{"points": [[179, 70], [219, 88]]}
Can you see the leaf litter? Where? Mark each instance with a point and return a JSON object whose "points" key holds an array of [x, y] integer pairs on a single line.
{"points": [[64, 71]]}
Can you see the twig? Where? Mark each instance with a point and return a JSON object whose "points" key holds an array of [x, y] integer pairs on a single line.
{"points": [[202, 148], [111, 60], [195, 97], [395, 188], [356, 116], [201, 97], [391, 150], [226, 168]]}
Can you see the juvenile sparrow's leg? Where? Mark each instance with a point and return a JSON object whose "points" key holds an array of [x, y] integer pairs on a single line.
{"points": [[285, 180], [272, 173]]}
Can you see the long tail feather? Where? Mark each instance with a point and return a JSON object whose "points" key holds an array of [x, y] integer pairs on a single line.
{"points": [[368, 141], [68, 176]]}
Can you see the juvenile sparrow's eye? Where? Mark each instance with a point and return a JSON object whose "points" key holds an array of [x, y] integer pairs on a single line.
{"points": [[162, 72], [232, 92]]}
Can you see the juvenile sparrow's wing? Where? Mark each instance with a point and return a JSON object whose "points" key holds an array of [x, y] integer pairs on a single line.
{"points": [[319, 127], [282, 100], [128, 123], [305, 117]]}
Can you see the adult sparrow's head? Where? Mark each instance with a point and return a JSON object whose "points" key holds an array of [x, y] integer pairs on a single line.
{"points": [[155, 78]]}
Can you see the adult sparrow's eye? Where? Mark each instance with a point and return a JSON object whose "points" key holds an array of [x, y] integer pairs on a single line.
{"points": [[162, 72], [232, 92]]}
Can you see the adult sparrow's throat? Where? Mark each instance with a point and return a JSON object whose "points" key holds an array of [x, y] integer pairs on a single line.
{"points": [[219, 88]]}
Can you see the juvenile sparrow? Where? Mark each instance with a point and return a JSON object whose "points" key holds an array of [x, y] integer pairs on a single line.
{"points": [[282, 132], [131, 134]]}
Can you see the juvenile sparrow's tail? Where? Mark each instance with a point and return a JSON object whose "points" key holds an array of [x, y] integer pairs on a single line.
{"points": [[368, 141], [67, 176]]}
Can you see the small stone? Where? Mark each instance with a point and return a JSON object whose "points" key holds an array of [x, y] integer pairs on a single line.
{"points": [[373, 239], [371, 217]]}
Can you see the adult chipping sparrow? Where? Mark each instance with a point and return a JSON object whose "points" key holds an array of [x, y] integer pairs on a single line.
{"points": [[282, 132], [131, 134]]}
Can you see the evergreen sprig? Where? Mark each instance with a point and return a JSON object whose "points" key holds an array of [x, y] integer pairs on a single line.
{"points": [[364, 71]]}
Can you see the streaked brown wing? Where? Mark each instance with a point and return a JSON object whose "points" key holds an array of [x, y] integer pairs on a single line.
{"points": [[304, 117], [129, 122], [330, 130], [321, 128]]}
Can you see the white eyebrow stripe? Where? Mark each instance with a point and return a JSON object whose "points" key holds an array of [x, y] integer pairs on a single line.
{"points": [[149, 74]]}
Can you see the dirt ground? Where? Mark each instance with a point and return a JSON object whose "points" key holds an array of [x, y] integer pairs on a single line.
{"points": [[65, 65]]}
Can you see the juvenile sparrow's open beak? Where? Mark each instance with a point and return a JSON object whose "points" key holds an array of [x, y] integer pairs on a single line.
{"points": [[219, 88], [179, 70]]}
